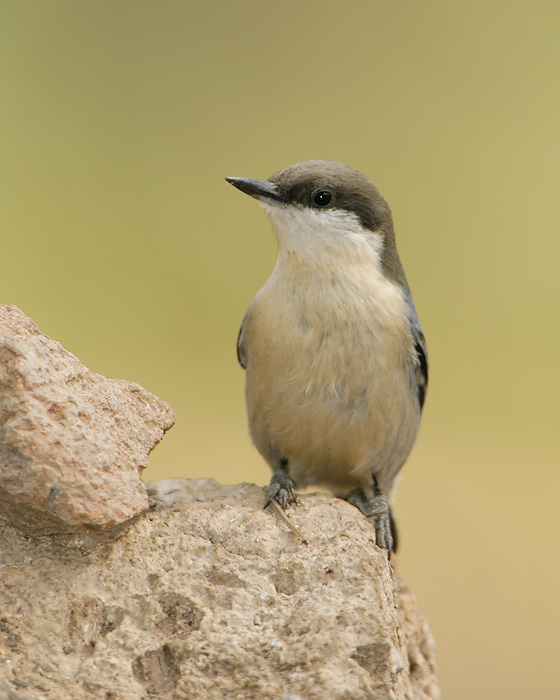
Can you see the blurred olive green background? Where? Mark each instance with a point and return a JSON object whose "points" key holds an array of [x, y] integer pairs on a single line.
{"points": [[120, 238]]}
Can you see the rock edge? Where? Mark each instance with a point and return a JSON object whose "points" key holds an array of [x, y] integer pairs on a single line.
{"points": [[73, 443]]}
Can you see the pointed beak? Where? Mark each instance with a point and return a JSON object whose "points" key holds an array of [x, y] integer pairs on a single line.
{"points": [[259, 189]]}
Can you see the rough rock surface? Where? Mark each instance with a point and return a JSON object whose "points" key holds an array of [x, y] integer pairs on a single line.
{"points": [[72, 443], [211, 597]]}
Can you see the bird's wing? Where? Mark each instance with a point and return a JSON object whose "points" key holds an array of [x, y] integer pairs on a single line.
{"points": [[419, 369], [241, 354], [420, 363]]}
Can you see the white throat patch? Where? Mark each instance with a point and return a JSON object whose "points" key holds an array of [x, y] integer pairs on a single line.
{"points": [[326, 237]]}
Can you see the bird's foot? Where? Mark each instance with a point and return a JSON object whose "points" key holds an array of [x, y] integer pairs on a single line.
{"points": [[281, 489], [376, 509], [380, 513]]}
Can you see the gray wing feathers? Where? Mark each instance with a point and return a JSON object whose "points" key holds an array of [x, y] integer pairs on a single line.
{"points": [[241, 354], [420, 360], [420, 363]]}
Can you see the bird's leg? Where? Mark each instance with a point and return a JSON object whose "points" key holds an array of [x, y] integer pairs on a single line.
{"points": [[281, 488], [377, 508]]}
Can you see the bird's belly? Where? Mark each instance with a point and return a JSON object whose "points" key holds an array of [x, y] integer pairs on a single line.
{"points": [[338, 411]]}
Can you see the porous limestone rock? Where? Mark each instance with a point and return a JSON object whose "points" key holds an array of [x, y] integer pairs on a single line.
{"points": [[211, 597], [72, 443]]}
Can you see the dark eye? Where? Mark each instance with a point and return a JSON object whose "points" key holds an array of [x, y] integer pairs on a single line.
{"points": [[322, 198]]}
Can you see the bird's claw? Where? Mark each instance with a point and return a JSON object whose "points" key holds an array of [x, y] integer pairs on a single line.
{"points": [[378, 511], [281, 489]]}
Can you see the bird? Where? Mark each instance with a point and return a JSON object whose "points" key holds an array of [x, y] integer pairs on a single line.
{"points": [[334, 353]]}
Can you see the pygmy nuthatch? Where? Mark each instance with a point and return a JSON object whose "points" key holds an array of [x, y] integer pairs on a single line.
{"points": [[335, 355]]}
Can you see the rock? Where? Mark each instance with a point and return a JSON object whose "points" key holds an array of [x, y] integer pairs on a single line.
{"points": [[72, 443], [6, 693], [211, 597]]}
